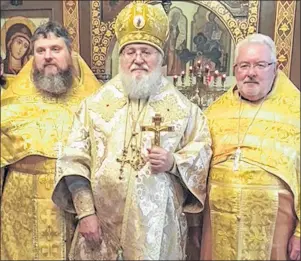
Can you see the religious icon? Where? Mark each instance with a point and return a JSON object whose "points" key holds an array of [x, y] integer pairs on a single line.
{"points": [[16, 35], [139, 21], [176, 42], [211, 41]]}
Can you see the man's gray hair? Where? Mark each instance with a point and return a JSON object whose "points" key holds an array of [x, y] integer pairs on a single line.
{"points": [[260, 39], [52, 27]]}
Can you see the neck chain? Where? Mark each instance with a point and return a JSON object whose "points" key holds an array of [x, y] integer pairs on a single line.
{"points": [[136, 161], [238, 152]]}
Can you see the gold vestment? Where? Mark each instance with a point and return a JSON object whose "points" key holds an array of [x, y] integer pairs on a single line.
{"points": [[34, 128], [252, 213], [143, 212]]}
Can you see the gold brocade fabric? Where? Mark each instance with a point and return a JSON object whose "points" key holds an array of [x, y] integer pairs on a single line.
{"points": [[244, 205], [245, 215], [143, 212], [34, 128]]}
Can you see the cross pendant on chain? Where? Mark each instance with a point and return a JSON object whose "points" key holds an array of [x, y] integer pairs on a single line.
{"points": [[123, 159], [237, 157]]}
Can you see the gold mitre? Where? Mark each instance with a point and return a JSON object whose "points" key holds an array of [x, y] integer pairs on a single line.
{"points": [[142, 23]]}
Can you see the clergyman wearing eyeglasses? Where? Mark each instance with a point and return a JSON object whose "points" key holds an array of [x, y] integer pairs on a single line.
{"points": [[253, 206]]}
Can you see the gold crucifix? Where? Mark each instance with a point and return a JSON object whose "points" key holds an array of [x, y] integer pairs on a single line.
{"points": [[157, 129]]}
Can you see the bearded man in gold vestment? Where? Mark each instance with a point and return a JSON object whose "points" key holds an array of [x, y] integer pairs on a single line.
{"points": [[253, 206], [36, 116], [130, 187]]}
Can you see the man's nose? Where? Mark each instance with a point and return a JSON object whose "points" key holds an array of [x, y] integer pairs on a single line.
{"points": [[252, 72], [48, 55], [138, 59]]}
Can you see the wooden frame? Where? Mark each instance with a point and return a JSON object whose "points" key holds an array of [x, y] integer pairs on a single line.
{"points": [[71, 22], [284, 34]]}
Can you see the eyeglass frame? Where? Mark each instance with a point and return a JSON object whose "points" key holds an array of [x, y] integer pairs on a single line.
{"points": [[144, 56], [253, 65]]}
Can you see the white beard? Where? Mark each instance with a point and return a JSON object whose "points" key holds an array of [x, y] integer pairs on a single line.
{"points": [[141, 88]]}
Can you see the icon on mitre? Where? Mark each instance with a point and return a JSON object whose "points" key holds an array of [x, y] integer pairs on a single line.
{"points": [[139, 21]]}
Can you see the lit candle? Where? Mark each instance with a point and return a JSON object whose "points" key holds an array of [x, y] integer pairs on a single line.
{"points": [[208, 79], [216, 74], [182, 76], [207, 68], [190, 70], [175, 80], [223, 78], [199, 64]]}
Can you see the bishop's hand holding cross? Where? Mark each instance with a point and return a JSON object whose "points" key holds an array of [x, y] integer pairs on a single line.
{"points": [[160, 159]]}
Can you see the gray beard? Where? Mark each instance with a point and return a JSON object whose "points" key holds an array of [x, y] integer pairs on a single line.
{"points": [[56, 84], [143, 88]]}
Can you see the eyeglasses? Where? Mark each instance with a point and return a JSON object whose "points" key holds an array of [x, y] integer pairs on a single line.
{"points": [[132, 54], [260, 66]]}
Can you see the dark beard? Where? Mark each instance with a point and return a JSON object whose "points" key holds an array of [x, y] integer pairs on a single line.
{"points": [[56, 84]]}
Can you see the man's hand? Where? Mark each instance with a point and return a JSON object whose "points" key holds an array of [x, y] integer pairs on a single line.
{"points": [[90, 229], [294, 248], [160, 160]]}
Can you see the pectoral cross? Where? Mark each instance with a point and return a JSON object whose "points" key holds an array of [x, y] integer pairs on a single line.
{"points": [[157, 129], [123, 160], [237, 157]]}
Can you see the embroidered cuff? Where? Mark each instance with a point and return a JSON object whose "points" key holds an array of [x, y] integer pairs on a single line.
{"points": [[84, 203]]}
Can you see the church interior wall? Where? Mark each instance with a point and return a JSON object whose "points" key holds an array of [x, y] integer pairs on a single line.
{"points": [[80, 17], [295, 64]]}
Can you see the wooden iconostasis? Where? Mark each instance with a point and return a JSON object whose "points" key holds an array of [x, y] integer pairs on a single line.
{"points": [[200, 30]]}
